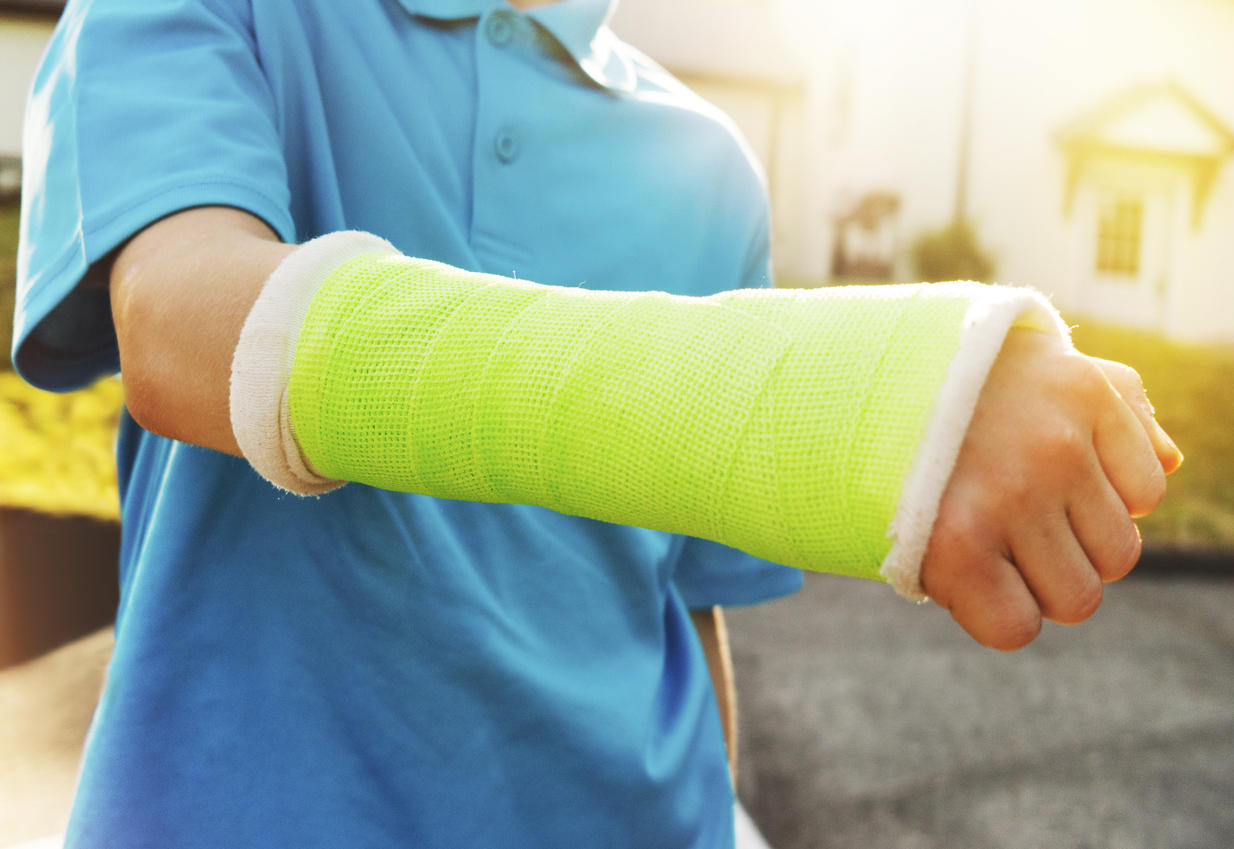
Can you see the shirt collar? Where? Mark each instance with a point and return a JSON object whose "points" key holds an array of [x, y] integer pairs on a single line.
{"points": [[580, 25]]}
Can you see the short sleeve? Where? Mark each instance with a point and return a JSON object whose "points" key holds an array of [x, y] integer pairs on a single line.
{"points": [[141, 108], [708, 573]]}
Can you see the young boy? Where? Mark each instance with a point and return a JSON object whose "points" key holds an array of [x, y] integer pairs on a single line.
{"points": [[371, 667]]}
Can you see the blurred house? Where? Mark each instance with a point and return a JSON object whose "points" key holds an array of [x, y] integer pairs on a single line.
{"points": [[1141, 170], [1089, 141], [25, 26]]}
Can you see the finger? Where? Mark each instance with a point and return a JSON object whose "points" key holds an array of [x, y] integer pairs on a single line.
{"points": [[1127, 384], [1127, 456], [983, 591], [1057, 570], [1104, 530]]}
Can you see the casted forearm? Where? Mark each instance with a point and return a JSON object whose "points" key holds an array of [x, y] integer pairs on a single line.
{"points": [[782, 423], [794, 426]]}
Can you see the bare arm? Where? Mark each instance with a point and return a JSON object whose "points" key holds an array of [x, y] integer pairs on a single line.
{"points": [[1060, 453], [180, 291], [713, 634]]}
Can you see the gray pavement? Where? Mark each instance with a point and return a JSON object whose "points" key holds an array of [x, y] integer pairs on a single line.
{"points": [[868, 722]]}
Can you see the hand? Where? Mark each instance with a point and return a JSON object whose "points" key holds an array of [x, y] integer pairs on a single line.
{"points": [[1062, 451]]}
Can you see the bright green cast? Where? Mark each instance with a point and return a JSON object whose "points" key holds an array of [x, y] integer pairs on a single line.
{"points": [[779, 422]]}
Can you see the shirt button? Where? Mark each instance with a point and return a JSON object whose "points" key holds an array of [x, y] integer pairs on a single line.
{"points": [[498, 29], [505, 145]]}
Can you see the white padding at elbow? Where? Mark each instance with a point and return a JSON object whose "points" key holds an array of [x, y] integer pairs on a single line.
{"points": [[261, 366]]}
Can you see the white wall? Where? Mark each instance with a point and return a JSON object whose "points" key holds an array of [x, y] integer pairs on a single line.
{"points": [[22, 40], [1205, 304]]}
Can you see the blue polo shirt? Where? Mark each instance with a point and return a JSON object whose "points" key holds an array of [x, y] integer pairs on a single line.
{"points": [[372, 668]]}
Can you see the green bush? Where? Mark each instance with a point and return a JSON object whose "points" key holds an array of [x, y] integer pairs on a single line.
{"points": [[951, 253]]}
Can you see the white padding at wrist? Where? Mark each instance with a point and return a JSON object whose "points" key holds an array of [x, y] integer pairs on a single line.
{"points": [[261, 366], [995, 310]]}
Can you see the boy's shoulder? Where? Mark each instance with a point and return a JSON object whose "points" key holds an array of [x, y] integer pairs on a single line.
{"points": [[653, 79], [654, 82]]}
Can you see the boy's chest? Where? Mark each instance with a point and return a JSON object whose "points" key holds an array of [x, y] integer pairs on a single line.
{"points": [[481, 143]]}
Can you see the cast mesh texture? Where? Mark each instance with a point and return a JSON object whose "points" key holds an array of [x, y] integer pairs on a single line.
{"points": [[780, 422]]}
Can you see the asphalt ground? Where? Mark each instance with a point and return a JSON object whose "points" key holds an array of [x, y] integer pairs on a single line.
{"points": [[869, 722]]}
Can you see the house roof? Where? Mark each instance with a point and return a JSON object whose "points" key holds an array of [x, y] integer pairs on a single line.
{"points": [[1156, 118], [1159, 123]]}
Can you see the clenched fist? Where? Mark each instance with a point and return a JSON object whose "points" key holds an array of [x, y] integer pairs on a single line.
{"points": [[1061, 453]]}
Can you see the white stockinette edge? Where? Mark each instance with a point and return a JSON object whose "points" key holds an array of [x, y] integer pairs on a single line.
{"points": [[993, 312], [261, 366]]}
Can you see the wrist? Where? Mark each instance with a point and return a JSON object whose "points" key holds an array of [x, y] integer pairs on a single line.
{"points": [[265, 354]]}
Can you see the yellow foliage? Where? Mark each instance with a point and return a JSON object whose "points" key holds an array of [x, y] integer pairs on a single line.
{"points": [[57, 451]]}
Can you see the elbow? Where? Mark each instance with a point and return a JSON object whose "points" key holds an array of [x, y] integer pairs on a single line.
{"points": [[141, 396], [176, 363], [145, 390], [180, 292]]}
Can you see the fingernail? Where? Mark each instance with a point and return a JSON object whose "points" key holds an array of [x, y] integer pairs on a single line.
{"points": [[1168, 441]]}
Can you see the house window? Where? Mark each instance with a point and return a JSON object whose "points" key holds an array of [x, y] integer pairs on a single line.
{"points": [[1119, 233]]}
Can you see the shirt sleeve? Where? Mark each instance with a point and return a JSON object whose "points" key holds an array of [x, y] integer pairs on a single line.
{"points": [[708, 573], [141, 108]]}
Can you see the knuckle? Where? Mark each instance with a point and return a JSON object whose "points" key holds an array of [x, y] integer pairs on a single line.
{"points": [[1082, 604], [1123, 376], [956, 528], [1063, 445], [1149, 491], [1015, 630], [943, 569], [1082, 377], [1122, 557], [1154, 492], [1017, 491], [1089, 378], [1005, 620], [1131, 387]]}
